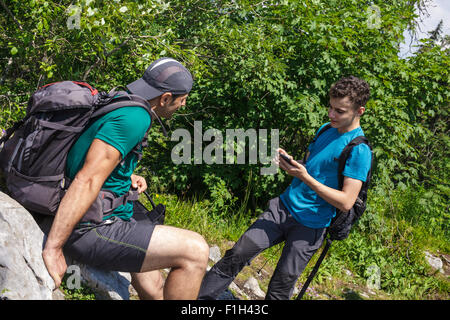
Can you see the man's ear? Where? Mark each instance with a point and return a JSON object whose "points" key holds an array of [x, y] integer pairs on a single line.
{"points": [[361, 111], [165, 98]]}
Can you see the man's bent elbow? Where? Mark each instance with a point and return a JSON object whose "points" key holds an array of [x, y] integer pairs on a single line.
{"points": [[347, 206]]}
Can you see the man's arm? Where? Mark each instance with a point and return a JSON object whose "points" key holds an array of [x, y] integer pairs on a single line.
{"points": [[101, 160], [342, 199]]}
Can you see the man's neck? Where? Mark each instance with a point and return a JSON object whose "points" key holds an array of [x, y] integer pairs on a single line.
{"points": [[355, 124], [153, 103]]}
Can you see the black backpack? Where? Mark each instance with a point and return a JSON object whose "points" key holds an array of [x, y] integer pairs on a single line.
{"points": [[343, 222], [34, 152]]}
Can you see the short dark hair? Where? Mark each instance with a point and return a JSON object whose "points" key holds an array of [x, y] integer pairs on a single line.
{"points": [[174, 96], [356, 89]]}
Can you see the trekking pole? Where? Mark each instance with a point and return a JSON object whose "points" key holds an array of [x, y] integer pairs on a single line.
{"points": [[316, 268], [150, 199], [265, 262]]}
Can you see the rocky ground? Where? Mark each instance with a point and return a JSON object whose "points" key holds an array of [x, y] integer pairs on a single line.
{"points": [[252, 281]]}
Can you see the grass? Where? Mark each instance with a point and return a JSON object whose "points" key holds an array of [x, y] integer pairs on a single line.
{"points": [[195, 214], [393, 236]]}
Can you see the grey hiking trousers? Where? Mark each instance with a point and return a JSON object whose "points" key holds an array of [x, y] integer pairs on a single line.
{"points": [[272, 227]]}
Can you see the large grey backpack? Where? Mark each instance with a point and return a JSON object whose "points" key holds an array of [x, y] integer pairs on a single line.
{"points": [[33, 157]]}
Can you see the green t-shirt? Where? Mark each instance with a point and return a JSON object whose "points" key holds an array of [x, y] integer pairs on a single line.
{"points": [[123, 129]]}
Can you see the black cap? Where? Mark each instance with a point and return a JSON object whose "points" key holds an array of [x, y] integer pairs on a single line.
{"points": [[163, 75]]}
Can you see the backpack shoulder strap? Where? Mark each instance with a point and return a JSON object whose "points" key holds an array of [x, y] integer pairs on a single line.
{"points": [[124, 99], [325, 128], [322, 130], [344, 156], [12, 129]]}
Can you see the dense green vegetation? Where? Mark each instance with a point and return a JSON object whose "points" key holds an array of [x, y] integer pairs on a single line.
{"points": [[265, 65]]}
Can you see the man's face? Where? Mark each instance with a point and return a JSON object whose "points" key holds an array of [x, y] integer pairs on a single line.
{"points": [[343, 115], [167, 106]]}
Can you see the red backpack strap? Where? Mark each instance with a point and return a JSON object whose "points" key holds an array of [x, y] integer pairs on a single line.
{"points": [[80, 83], [87, 85]]}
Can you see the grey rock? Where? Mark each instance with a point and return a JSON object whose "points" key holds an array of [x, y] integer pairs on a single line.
{"points": [[23, 274], [214, 253], [296, 291], [253, 286], [435, 262], [106, 285], [234, 287]]}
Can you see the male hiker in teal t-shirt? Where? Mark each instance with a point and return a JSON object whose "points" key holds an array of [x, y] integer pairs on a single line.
{"points": [[123, 129], [103, 160], [308, 204]]}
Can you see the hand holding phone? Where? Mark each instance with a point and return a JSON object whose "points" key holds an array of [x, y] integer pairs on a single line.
{"points": [[285, 157]]}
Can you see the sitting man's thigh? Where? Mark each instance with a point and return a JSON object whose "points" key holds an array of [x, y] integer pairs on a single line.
{"points": [[171, 247]]}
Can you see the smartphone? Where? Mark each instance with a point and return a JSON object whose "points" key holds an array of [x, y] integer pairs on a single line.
{"points": [[286, 158]]}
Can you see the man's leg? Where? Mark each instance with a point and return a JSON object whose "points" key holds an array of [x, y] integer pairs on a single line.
{"points": [[301, 244], [262, 234], [139, 247], [185, 252], [149, 285]]}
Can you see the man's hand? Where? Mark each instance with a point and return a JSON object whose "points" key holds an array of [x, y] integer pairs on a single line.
{"points": [[55, 263], [139, 183], [341, 199], [294, 169]]}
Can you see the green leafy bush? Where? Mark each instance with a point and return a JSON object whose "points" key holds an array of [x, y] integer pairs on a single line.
{"points": [[255, 65]]}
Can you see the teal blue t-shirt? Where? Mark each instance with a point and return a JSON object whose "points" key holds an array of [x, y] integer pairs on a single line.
{"points": [[123, 129], [322, 164]]}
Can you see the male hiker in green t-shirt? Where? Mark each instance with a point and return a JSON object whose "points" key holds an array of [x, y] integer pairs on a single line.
{"points": [[102, 159]]}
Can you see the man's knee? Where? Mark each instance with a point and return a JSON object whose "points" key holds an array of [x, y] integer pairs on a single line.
{"points": [[245, 249], [238, 256], [197, 250]]}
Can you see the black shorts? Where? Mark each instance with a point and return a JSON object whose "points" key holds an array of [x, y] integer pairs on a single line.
{"points": [[114, 244]]}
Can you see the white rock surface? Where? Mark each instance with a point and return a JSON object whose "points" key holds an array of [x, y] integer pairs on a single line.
{"points": [[253, 286], [23, 275]]}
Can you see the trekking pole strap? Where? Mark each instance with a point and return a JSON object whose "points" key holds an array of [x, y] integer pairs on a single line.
{"points": [[150, 199], [315, 269]]}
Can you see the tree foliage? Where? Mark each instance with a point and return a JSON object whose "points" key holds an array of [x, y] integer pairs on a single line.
{"points": [[257, 64]]}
